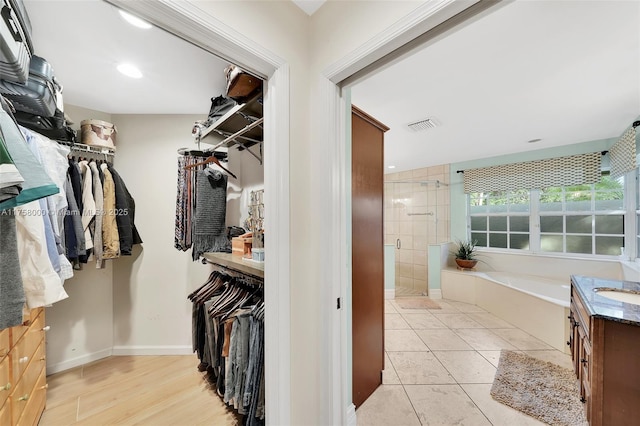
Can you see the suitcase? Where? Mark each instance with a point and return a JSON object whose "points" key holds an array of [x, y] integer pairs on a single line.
{"points": [[15, 41], [38, 95], [55, 128]]}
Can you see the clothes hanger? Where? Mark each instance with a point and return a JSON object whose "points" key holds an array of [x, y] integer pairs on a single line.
{"points": [[210, 160]]}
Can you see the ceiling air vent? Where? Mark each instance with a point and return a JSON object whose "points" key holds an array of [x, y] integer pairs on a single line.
{"points": [[421, 125]]}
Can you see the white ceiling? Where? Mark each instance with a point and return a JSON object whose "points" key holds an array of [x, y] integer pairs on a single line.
{"points": [[85, 40], [562, 71]]}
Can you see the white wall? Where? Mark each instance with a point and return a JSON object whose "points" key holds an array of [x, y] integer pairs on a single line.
{"points": [[151, 311]]}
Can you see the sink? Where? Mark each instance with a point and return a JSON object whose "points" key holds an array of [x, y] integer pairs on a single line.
{"points": [[626, 296]]}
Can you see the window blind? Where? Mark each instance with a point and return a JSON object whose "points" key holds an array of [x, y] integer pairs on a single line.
{"points": [[623, 154], [562, 171]]}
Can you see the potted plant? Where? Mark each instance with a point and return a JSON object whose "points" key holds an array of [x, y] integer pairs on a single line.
{"points": [[465, 254]]}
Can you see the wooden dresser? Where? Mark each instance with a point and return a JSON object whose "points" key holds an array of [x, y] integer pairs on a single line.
{"points": [[23, 381]]}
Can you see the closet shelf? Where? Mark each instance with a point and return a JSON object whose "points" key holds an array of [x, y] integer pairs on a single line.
{"points": [[235, 263], [241, 125]]}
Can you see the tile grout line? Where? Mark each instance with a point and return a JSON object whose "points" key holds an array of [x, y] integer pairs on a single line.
{"points": [[452, 376]]}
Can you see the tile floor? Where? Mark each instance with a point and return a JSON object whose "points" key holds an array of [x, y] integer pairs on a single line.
{"points": [[440, 364]]}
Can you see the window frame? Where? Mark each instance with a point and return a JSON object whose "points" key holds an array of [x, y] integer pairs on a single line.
{"points": [[630, 213]]}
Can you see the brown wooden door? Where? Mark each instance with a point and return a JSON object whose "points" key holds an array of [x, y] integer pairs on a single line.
{"points": [[367, 139]]}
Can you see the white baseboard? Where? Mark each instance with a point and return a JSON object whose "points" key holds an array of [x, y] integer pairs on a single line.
{"points": [[389, 293], [435, 293], [351, 415], [152, 350], [77, 362]]}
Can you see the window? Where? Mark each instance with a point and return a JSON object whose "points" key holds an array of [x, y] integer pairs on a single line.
{"points": [[500, 219], [581, 219]]}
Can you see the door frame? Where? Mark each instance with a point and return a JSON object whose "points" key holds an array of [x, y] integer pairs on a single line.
{"points": [[332, 152], [330, 130], [190, 23]]}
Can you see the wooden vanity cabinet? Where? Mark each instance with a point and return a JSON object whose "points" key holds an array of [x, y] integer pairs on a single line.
{"points": [[606, 360], [23, 384]]}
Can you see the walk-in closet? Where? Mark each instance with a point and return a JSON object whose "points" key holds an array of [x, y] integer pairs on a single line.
{"points": [[150, 171]]}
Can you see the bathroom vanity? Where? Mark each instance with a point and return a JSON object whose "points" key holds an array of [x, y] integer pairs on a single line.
{"points": [[605, 348]]}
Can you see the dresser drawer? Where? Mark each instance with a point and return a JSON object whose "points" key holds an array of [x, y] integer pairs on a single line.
{"points": [[5, 414], [18, 331], [35, 403], [5, 381], [18, 400], [5, 343], [23, 352]]}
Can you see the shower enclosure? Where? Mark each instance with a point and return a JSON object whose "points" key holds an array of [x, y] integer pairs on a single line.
{"points": [[411, 223]]}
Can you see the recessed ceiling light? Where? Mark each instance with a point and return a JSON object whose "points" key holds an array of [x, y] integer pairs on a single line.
{"points": [[391, 167], [134, 20], [130, 70], [534, 140]]}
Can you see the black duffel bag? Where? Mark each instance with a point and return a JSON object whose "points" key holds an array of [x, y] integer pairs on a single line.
{"points": [[54, 128]]}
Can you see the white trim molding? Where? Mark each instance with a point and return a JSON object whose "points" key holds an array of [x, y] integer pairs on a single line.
{"points": [[145, 350], [187, 21], [352, 420], [78, 361], [389, 293]]}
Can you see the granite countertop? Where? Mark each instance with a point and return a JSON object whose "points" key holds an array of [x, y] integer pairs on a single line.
{"points": [[603, 307], [237, 263]]}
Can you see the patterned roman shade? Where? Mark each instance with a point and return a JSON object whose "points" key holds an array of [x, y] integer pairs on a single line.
{"points": [[563, 171], [623, 154]]}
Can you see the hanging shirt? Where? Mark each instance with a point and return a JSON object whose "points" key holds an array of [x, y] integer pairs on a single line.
{"points": [[97, 225], [88, 202], [42, 285]]}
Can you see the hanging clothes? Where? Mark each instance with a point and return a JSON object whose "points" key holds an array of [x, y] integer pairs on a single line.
{"points": [[10, 178], [97, 224], [228, 337], [74, 234], [88, 203], [125, 206], [11, 290], [37, 183], [209, 229], [42, 285], [110, 237]]}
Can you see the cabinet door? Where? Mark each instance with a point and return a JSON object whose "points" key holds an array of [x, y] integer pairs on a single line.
{"points": [[584, 360], [367, 256]]}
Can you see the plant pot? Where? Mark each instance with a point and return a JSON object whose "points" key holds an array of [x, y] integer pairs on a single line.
{"points": [[466, 264]]}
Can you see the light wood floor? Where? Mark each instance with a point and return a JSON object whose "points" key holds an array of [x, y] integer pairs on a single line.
{"points": [[135, 390]]}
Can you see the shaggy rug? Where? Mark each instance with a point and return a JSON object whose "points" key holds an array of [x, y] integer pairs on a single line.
{"points": [[416, 303], [538, 388]]}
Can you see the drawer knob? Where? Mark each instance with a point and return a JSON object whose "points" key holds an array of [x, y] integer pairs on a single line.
{"points": [[6, 387], [46, 386], [24, 397], [46, 328], [568, 343], [583, 399], [583, 360], [23, 360], [43, 358]]}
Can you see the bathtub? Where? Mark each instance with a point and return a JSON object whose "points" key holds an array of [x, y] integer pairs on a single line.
{"points": [[537, 305]]}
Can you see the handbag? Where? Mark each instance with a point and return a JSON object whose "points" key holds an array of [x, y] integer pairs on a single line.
{"points": [[98, 133], [241, 85]]}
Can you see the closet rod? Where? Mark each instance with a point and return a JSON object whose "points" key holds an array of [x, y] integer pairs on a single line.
{"points": [[238, 133], [235, 272], [88, 148]]}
